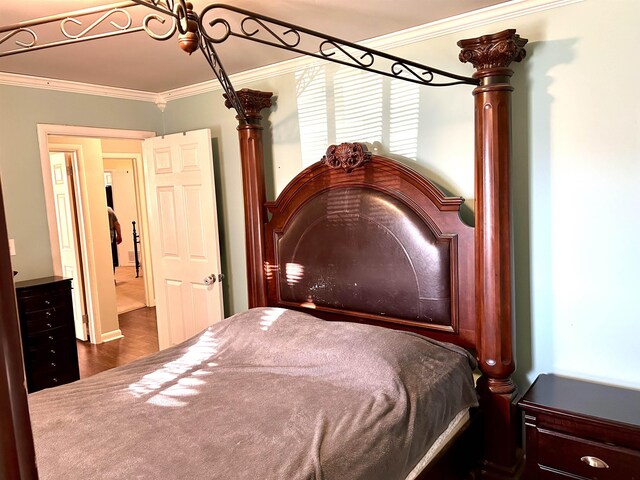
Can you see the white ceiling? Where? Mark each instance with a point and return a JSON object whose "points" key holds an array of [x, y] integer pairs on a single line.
{"points": [[135, 61]]}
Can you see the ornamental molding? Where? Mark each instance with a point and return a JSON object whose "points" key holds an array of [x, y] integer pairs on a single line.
{"points": [[346, 156]]}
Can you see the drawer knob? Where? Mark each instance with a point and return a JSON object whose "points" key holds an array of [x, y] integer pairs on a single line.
{"points": [[51, 337], [53, 352], [49, 325], [594, 462], [53, 364], [48, 314], [47, 302], [54, 380]]}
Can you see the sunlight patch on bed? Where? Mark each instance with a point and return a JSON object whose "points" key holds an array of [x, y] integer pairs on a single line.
{"points": [[178, 378], [269, 317]]}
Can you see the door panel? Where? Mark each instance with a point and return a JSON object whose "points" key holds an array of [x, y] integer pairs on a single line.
{"points": [[68, 241], [184, 234]]}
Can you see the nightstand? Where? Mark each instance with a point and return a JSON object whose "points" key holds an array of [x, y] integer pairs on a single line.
{"points": [[581, 430]]}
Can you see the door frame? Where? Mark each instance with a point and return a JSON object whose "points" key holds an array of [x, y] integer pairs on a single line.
{"points": [[44, 131]]}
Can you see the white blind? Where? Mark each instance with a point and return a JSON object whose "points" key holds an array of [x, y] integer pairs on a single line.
{"points": [[404, 118], [312, 113], [349, 105], [358, 106]]}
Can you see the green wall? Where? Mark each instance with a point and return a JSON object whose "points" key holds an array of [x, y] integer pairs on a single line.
{"points": [[21, 109]]}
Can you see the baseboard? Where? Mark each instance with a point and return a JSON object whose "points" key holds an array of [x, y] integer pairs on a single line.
{"points": [[112, 335]]}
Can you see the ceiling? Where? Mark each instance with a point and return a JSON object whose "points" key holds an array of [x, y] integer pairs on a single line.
{"points": [[135, 61]]}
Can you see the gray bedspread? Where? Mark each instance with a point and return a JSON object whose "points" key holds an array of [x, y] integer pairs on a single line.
{"points": [[265, 394]]}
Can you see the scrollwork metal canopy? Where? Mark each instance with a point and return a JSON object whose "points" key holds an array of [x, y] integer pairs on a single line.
{"points": [[211, 28], [276, 33], [105, 21]]}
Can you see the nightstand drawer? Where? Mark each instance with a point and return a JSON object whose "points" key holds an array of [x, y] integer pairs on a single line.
{"points": [[573, 455], [553, 475]]}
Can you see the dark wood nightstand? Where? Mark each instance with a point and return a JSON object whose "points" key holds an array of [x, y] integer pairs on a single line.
{"points": [[580, 430]]}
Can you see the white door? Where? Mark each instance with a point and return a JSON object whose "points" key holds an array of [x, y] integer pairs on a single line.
{"points": [[61, 175], [184, 234]]}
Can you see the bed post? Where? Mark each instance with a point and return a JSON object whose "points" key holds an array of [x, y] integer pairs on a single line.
{"points": [[17, 455], [491, 55], [252, 158]]}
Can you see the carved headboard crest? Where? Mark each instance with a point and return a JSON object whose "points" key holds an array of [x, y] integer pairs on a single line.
{"points": [[347, 156]]}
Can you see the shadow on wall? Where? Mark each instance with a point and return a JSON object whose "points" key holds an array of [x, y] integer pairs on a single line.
{"points": [[532, 206], [268, 141], [222, 234], [466, 210]]}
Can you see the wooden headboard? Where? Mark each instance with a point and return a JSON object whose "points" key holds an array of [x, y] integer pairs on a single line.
{"points": [[361, 237], [472, 306]]}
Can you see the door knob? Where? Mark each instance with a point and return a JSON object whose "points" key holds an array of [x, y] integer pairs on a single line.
{"points": [[210, 280]]}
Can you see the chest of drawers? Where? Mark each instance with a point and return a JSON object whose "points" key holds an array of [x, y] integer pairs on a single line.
{"points": [[581, 430], [45, 309]]}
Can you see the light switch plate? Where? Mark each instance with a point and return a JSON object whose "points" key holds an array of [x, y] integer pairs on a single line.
{"points": [[12, 247]]}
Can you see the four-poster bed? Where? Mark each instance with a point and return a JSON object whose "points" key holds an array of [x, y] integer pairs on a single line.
{"points": [[361, 238]]}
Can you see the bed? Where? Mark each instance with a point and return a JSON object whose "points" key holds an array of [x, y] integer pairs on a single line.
{"points": [[365, 287], [268, 393]]}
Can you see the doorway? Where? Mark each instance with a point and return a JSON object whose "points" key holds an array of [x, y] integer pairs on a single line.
{"points": [[184, 235], [86, 147], [123, 194]]}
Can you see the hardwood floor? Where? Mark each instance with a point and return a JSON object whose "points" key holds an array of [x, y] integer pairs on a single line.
{"points": [[129, 289], [140, 339]]}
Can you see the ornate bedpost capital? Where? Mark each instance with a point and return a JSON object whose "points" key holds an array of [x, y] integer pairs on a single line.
{"points": [[253, 101], [495, 51]]}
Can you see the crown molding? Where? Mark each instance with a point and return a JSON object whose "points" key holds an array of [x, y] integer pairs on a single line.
{"points": [[465, 21], [19, 80]]}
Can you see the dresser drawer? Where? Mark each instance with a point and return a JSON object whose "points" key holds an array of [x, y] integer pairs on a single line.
{"points": [[572, 455], [52, 378], [44, 302], [54, 352], [58, 335], [42, 320], [56, 362]]}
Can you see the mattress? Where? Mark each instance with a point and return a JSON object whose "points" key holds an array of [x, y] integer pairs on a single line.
{"points": [[443, 441], [269, 394]]}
